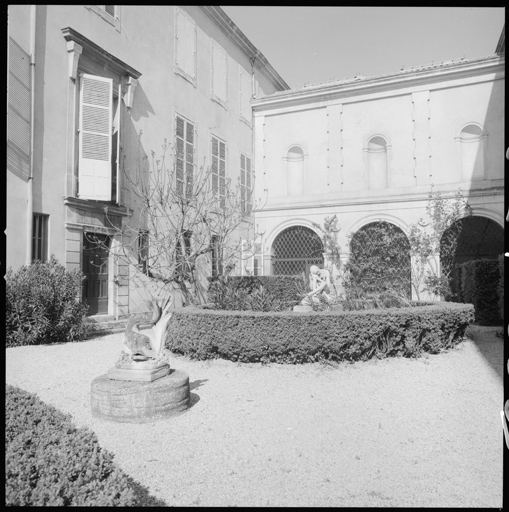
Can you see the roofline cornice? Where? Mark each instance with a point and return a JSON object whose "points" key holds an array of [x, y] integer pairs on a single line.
{"points": [[328, 91], [215, 13]]}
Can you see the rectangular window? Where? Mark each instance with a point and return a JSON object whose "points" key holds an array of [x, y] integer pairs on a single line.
{"points": [[246, 185], [246, 92], [143, 246], [219, 169], [40, 237], [219, 73], [98, 139], [185, 46], [109, 13], [217, 263], [184, 144], [183, 252]]}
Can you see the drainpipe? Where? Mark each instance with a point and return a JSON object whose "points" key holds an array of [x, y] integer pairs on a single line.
{"points": [[30, 205]]}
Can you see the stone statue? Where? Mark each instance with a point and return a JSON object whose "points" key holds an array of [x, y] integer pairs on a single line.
{"points": [[144, 352], [320, 284]]}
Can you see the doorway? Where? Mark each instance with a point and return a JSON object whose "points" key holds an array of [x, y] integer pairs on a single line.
{"points": [[95, 267]]}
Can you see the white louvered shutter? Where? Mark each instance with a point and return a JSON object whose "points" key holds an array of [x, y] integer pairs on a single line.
{"points": [[219, 73], [186, 45], [96, 97], [246, 91]]}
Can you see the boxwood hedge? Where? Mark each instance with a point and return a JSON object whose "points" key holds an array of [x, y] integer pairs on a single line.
{"points": [[51, 462], [289, 337]]}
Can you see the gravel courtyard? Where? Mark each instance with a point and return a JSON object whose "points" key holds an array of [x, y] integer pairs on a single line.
{"points": [[384, 433]]}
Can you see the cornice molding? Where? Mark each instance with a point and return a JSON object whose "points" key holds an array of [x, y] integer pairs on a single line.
{"points": [[216, 14], [97, 207], [329, 91], [98, 53]]}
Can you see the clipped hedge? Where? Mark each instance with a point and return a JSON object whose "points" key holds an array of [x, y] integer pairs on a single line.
{"points": [[43, 305], [51, 462], [259, 293], [308, 337], [480, 280]]}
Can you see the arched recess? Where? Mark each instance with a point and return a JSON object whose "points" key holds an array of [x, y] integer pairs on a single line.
{"points": [[471, 140], [377, 162], [295, 170], [379, 259], [477, 238], [295, 249]]}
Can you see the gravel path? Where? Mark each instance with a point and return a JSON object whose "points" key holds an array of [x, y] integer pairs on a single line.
{"points": [[384, 433]]}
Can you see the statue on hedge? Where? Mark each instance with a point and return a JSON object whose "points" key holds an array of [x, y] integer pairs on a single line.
{"points": [[144, 352], [320, 284]]}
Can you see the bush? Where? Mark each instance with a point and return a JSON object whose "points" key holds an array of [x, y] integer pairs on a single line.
{"points": [[256, 293], [50, 462], [43, 305], [308, 337], [480, 280]]}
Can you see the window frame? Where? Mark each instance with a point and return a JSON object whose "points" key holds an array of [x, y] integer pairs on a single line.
{"points": [[100, 10], [180, 70], [246, 185], [40, 237], [187, 178], [216, 257], [216, 190], [218, 50]]}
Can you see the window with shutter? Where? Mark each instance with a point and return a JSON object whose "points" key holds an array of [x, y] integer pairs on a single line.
{"points": [[95, 138], [246, 185], [245, 95], [219, 74], [184, 135], [185, 46], [219, 169]]}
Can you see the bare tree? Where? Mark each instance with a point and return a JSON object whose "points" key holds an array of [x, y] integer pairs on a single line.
{"points": [[181, 213]]}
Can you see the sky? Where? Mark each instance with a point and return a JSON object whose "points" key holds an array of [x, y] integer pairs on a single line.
{"points": [[309, 45]]}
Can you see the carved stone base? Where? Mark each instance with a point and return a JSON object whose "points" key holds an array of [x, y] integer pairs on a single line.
{"points": [[126, 401], [140, 375], [302, 309]]}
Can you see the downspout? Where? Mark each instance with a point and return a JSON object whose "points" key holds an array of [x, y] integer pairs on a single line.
{"points": [[30, 199]]}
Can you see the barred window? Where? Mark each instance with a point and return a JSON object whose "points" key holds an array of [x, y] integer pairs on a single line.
{"points": [[143, 247], [184, 135], [217, 263], [40, 237]]}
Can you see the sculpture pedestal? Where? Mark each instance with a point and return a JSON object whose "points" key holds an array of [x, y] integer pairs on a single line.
{"points": [[140, 375], [129, 401]]}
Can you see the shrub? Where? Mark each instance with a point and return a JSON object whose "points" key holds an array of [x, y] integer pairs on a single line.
{"points": [[480, 280], [50, 462], [256, 293], [288, 337], [43, 305]]}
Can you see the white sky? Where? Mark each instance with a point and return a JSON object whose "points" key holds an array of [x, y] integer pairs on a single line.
{"points": [[309, 45]]}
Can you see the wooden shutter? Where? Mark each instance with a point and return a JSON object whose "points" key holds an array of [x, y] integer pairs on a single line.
{"points": [[96, 97], [246, 91], [186, 45], [219, 73]]}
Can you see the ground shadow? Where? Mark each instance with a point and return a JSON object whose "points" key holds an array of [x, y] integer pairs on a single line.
{"points": [[489, 345], [197, 383], [143, 496]]}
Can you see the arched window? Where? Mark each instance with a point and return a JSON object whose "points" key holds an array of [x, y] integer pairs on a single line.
{"points": [[379, 260], [377, 162], [295, 171], [471, 141], [294, 251]]}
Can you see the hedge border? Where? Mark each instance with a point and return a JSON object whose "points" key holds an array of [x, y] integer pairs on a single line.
{"points": [[289, 337]]}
